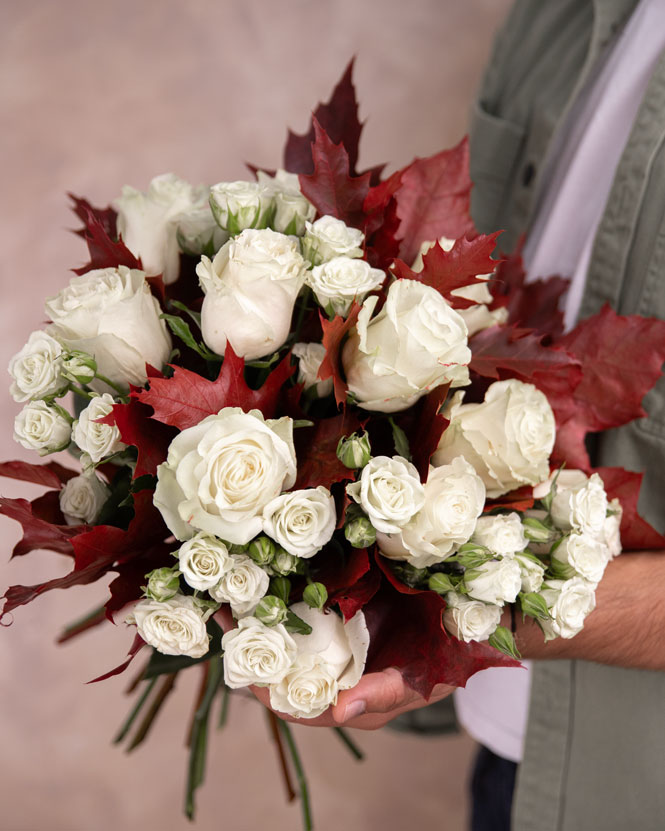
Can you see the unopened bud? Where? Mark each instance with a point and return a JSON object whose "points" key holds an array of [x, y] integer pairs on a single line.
{"points": [[503, 640], [534, 605], [262, 550], [354, 451], [271, 610], [163, 584], [360, 532], [536, 531], [284, 563], [79, 367], [315, 595]]}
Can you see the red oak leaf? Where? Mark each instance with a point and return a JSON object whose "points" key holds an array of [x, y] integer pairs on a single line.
{"points": [[106, 216], [334, 332], [38, 533], [636, 533], [105, 251], [187, 398], [51, 474], [138, 428], [430, 426], [331, 188], [433, 199], [358, 595], [338, 117], [316, 451]]}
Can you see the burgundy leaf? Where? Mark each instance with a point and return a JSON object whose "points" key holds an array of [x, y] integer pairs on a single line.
{"points": [[430, 426], [138, 428], [316, 451], [107, 217], [135, 648], [636, 533], [51, 474], [38, 533], [105, 251], [334, 332]]}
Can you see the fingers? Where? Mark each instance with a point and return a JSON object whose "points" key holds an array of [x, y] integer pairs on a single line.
{"points": [[377, 692]]}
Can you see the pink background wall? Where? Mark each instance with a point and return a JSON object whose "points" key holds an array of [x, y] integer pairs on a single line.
{"points": [[94, 96]]}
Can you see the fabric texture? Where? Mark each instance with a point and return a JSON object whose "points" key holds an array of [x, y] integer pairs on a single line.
{"points": [[492, 786]]}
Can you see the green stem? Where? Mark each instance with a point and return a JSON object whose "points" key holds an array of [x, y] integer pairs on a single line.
{"points": [[304, 305], [300, 775], [135, 711], [78, 391], [351, 745], [121, 392], [155, 707], [224, 711]]}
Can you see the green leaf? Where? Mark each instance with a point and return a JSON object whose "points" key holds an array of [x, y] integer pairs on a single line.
{"points": [[400, 439], [280, 587], [195, 316], [503, 640], [296, 625], [160, 664], [180, 329]]}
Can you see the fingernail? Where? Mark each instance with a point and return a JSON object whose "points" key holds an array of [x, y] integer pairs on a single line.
{"points": [[355, 709]]}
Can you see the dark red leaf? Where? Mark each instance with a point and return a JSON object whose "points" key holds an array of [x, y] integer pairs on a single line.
{"points": [[331, 188], [47, 507], [105, 251], [339, 574], [636, 533], [430, 426], [138, 428], [128, 585], [520, 499], [135, 648], [187, 398], [358, 595], [107, 217], [38, 533], [334, 332], [51, 474], [316, 451]]}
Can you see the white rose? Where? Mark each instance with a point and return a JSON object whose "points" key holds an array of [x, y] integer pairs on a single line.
{"points": [[98, 440], [502, 534], [470, 620], [585, 554], [42, 428], [329, 237], [338, 282], [221, 473], [257, 654], [612, 528], [301, 521], [292, 209], [454, 498], [198, 233], [569, 602], [310, 356], [532, 572], [82, 498], [173, 627], [580, 503], [496, 581], [240, 205], [242, 585], [203, 561], [389, 491], [250, 290], [111, 314], [508, 438], [307, 689], [414, 344], [37, 368]]}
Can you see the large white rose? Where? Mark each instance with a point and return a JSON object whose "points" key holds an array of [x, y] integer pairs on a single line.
{"points": [[203, 561], [147, 222], [329, 237], [82, 497], [240, 205], [569, 602], [41, 427], [221, 473], [173, 627], [242, 585], [508, 438], [470, 620], [580, 503], [496, 581], [111, 314], [415, 343], [587, 555], [502, 534], [310, 357], [338, 282], [454, 498], [389, 491], [292, 209], [257, 654], [250, 290], [307, 689], [37, 368], [301, 521], [97, 440]]}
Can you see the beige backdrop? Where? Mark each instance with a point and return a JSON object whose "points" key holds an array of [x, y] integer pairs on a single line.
{"points": [[95, 95]]}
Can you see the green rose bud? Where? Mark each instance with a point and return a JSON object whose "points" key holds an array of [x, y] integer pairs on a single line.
{"points": [[536, 531], [163, 584], [354, 451], [503, 640], [262, 550], [315, 595], [534, 605], [440, 583], [360, 532], [271, 610], [79, 367], [284, 563]]}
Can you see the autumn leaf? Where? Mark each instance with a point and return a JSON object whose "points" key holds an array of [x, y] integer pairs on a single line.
{"points": [[334, 332], [316, 451], [636, 533], [105, 251], [430, 426], [38, 533], [138, 428], [50, 474]]}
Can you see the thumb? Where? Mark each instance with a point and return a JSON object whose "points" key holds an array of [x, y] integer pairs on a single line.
{"points": [[377, 692]]}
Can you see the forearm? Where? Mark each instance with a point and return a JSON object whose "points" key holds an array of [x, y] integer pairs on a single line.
{"points": [[627, 627]]}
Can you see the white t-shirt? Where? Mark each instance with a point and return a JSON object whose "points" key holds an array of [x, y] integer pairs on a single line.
{"points": [[493, 707]]}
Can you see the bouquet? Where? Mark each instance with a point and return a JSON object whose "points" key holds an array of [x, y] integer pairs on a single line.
{"points": [[321, 429]]}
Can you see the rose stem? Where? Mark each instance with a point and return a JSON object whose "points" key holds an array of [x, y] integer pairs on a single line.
{"points": [[140, 676], [93, 618], [348, 741], [224, 711], [286, 776], [155, 707], [199, 700], [135, 711], [300, 775]]}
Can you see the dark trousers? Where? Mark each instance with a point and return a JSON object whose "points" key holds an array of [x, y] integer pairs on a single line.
{"points": [[492, 786]]}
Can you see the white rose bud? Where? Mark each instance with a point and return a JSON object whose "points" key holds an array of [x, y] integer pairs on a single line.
{"points": [[470, 620], [310, 356], [569, 602], [503, 534], [307, 690], [250, 290], [163, 584], [242, 585], [203, 561], [532, 571], [221, 473], [454, 498], [37, 368], [43, 428], [354, 451], [110, 313], [82, 498], [338, 282], [271, 610], [329, 237], [240, 205], [292, 209], [415, 343], [585, 554], [284, 563], [508, 438], [496, 581], [79, 367], [301, 521], [173, 627], [389, 491], [612, 528], [257, 654], [198, 233], [98, 440], [580, 503]]}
